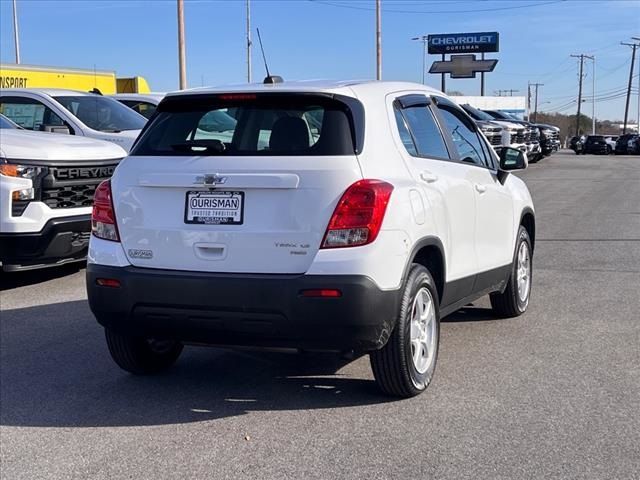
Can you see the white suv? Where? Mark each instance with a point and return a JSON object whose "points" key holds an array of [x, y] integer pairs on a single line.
{"points": [[340, 216]]}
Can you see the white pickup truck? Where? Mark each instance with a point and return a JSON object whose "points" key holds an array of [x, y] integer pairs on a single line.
{"points": [[72, 112], [47, 182]]}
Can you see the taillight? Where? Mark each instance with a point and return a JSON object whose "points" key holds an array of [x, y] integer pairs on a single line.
{"points": [[359, 214], [103, 217]]}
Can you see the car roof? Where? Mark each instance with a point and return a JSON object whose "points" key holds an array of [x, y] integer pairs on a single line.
{"points": [[138, 96], [319, 86], [52, 92]]}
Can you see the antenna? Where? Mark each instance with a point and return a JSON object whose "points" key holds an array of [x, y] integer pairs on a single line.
{"points": [[268, 79], [264, 57]]}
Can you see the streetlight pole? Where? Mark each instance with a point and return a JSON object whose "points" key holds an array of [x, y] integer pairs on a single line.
{"points": [[16, 40], [181, 50], [378, 41], [423, 39], [248, 42]]}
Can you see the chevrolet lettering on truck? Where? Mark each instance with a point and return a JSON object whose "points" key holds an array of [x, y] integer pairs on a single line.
{"points": [[353, 216]]}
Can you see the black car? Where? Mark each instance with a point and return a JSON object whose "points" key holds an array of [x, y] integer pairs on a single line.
{"points": [[549, 138], [633, 145], [622, 143], [577, 145], [596, 144]]}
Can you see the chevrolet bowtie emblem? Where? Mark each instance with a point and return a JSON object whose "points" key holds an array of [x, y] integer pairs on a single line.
{"points": [[463, 66], [210, 179]]}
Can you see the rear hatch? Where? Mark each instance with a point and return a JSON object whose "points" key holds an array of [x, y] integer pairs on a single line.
{"points": [[237, 183]]}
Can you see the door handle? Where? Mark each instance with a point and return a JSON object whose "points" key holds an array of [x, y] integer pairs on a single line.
{"points": [[428, 177], [480, 188]]}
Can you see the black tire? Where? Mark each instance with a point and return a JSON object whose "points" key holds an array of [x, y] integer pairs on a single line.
{"points": [[141, 356], [508, 303], [609, 150], [393, 367]]}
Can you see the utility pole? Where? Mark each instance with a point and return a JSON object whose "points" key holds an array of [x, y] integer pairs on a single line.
{"points": [[482, 80], [626, 107], [580, 77], [443, 82], [593, 98], [535, 109], [181, 51], [378, 41], [16, 40], [248, 42], [423, 39], [638, 117]]}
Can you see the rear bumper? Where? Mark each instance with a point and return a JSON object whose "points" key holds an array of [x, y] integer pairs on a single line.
{"points": [[244, 310], [597, 149], [62, 240]]}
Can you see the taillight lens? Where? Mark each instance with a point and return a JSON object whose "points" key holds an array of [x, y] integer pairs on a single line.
{"points": [[103, 217], [359, 214]]}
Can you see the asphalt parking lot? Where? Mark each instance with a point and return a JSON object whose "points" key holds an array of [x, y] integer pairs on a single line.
{"points": [[552, 394]]}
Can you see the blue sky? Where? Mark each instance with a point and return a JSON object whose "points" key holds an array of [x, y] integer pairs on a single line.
{"points": [[334, 39]]}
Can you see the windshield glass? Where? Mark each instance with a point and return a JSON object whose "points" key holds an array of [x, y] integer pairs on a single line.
{"points": [[477, 114], [249, 124], [102, 114], [6, 123]]}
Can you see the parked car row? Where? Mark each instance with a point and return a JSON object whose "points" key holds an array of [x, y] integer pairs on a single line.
{"points": [[536, 140], [628, 144]]}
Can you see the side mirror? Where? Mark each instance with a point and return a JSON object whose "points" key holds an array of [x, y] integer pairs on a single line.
{"points": [[511, 159]]}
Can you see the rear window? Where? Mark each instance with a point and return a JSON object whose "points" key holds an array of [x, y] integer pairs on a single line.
{"points": [[248, 124]]}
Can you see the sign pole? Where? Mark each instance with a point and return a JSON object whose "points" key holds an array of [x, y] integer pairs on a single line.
{"points": [[442, 83], [482, 80]]}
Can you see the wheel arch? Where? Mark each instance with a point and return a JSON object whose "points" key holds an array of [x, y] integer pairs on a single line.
{"points": [[429, 252], [528, 221]]}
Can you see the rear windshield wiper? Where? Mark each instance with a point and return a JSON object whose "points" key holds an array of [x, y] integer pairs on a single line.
{"points": [[210, 147]]}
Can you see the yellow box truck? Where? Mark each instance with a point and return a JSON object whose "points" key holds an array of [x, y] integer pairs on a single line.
{"points": [[34, 76]]}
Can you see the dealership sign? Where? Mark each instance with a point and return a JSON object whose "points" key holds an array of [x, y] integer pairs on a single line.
{"points": [[463, 66], [463, 42]]}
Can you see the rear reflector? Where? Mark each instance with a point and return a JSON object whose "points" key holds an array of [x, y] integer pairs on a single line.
{"points": [[359, 214], [108, 282], [321, 293]]}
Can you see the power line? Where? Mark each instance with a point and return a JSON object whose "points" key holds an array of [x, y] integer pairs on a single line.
{"points": [[389, 10]]}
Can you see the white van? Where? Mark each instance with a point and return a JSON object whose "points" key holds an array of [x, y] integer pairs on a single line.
{"points": [[72, 112]]}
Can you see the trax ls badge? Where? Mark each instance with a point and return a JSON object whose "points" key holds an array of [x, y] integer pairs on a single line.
{"points": [[141, 254], [210, 179]]}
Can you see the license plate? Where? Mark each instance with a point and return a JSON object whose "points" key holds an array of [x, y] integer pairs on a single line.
{"points": [[214, 208]]}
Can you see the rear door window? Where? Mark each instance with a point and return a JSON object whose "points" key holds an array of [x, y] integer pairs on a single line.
{"points": [[425, 131], [465, 136], [251, 124]]}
